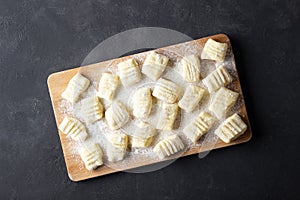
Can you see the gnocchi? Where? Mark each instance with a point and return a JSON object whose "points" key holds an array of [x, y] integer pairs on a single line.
{"points": [[216, 79], [92, 109], [231, 128], [143, 135], [223, 102], [74, 128], [76, 86], [190, 68], [154, 65], [129, 72], [168, 114], [118, 146], [214, 50], [91, 156], [149, 106], [107, 86], [166, 91], [191, 98], [142, 102], [199, 126], [116, 115], [168, 146]]}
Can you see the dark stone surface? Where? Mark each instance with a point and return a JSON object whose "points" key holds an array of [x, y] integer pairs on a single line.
{"points": [[40, 37]]}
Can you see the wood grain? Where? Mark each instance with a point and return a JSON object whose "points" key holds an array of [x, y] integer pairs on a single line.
{"points": [[57, 83]]}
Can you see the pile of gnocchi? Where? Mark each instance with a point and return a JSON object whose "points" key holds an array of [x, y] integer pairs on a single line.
{"points": [[167, 94]]}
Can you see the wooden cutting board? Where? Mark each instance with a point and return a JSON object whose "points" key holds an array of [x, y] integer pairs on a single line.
{"points": [[57, 82]]}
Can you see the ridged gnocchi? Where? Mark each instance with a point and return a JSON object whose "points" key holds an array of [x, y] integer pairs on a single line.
{"points": [[231, 128], [91, 156], [199, 126], [91, 109], [73, 128], [150, 107], [168, 146], [190, 68], [107, 86], [214, 50], [167, 116], [216, 79], [76, 86], [223, 102], [143, 135], [117, 146], [154, 65], [191, 98], [166, 91], [116, 115], [129, 72], [142, 102]]}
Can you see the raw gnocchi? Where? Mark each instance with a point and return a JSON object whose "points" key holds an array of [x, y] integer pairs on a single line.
{"points": [[167, 116], [166, 91], [231, 128], [216, 79], [129, 72], [142, 102], [91, 156], [147, 108], [168, 146], [191, 98], [190, 68], [117, 147], [116, 115], [73, 128], [199, 126], [223, 101], [143, 135], [214, 50], [154, 65], [92, 109], [107, 86], [76, 86]]}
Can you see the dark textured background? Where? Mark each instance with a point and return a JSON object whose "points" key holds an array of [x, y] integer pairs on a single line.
{"points": [[40, 37]]}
